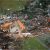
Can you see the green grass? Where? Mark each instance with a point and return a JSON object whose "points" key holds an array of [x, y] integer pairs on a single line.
{"points": [[13, 4], [33, 44]]}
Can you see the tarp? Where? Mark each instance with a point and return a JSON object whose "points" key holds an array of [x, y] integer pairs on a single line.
{"points": [[21, 24]]}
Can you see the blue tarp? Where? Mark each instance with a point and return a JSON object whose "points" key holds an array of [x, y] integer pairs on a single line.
{"points": [[1, 21]]}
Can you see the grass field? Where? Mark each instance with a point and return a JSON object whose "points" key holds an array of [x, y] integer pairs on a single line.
{"points": [[33, 44], [13, 4]]}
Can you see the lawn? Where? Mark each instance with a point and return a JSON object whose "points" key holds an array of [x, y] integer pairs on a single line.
{"points": [[33, 44], [13, 4]]}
